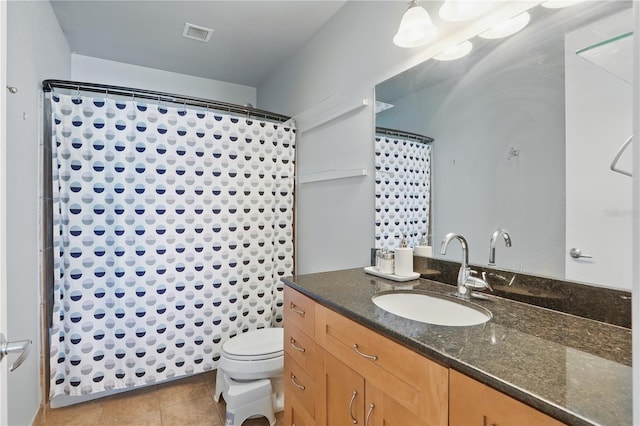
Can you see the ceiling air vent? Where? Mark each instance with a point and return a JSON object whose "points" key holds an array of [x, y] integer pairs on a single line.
{"points": [[196, 32]]}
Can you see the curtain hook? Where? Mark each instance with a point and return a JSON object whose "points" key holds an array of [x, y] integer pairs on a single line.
{"points": [[78, 92], [107, 94]]}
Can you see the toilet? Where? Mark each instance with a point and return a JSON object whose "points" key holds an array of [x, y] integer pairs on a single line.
{"points": [[249, 376]]}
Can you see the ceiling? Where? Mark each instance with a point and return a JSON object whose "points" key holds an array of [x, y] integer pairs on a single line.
{"points": [[250, 38]]}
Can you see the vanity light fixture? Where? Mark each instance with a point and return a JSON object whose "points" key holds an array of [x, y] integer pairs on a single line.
{"points": [[461, 10], [455, 52], [416, 27], [508, 27], [559, 4]]}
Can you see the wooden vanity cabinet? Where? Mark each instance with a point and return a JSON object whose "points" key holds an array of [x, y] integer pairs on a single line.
{"points": [[472, 403], [301, 359], [400, 383], [347, 398], [337, 371]]}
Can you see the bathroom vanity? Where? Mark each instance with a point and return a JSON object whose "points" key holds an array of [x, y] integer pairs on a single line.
{"points": [[348, 361]]}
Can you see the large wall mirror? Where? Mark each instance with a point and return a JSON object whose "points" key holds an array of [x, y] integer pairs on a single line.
{"points": [[525, 129]]}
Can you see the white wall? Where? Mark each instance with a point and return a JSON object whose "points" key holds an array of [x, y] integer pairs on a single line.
{"points": [[96, 70], [347, 56], [36, 50]]}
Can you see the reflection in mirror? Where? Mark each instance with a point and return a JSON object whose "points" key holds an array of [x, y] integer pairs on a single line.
{"points": [[402, 187], [526, 130]]}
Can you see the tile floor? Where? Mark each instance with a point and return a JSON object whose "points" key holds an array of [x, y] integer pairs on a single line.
{"points": [[186, 401]]}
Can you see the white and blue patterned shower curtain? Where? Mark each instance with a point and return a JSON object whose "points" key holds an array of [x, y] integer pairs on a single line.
{"points": [[172, 228], [402, 190]]}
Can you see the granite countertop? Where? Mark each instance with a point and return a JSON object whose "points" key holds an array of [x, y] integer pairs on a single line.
{"points": [[574, 369]]}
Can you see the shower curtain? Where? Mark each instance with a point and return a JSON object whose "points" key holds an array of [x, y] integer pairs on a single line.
{"points": [[402, 190], [172, 227]]}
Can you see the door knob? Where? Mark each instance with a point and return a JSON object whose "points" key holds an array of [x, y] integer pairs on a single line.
{"points": [[576, 253], [22, 347]]}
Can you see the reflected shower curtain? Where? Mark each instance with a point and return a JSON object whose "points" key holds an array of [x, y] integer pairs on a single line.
{"points": [[172, 228], [402, 190]]}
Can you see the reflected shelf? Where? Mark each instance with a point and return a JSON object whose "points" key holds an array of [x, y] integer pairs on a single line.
{"points": [[614, 55]]}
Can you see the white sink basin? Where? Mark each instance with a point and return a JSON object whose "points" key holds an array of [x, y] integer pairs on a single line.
{"points": [[432, 309]]}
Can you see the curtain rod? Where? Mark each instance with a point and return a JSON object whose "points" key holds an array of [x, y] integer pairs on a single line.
{"points": [[401, 133], [49, 85]]}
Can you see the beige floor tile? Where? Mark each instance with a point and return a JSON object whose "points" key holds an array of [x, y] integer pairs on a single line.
{"points": [[197, 412], [88, 413], [182, 402], [210, 377], [141, 407], [181, 392]]}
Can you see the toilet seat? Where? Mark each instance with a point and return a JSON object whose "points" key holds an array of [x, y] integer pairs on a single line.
{"points": [[256, 345]]}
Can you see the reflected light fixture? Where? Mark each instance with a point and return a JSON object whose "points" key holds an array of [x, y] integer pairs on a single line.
{"points": [[508, 27], [461, 10], [559, 4], [455, 52], [416, 27]]}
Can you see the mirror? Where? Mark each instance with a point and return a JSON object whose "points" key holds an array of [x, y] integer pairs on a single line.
{"points": [[525, 129]]}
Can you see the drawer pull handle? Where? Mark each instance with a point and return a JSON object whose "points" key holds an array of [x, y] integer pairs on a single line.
{"points": [[296, 347], [293, 380], [293, 307], [371, 357], [353, 398], [371, 407]]}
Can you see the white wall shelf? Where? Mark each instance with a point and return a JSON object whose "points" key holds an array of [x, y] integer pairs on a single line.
{"points": [[331, 174], [329, 109]]}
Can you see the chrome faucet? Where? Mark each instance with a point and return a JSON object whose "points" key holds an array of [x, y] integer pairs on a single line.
{"points": [[466, 282], [492, 243]]}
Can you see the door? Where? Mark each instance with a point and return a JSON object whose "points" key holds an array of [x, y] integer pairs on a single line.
{"points": [[3, 274], [598, 121]]}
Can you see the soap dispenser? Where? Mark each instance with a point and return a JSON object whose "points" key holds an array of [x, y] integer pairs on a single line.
{"points": [[423, 248], [404, 259]]}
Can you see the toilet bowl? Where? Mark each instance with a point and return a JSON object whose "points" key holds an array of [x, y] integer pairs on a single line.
{"points": [[249, 376]]}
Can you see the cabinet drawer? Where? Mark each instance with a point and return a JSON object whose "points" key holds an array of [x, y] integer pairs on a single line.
{"points": [[418, 384], [473, 403], [299, 309], [301, 348], [299, 385]]}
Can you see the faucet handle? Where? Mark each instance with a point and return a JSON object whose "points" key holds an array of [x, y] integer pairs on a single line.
{"points": [[484, 278], [477, 283]]}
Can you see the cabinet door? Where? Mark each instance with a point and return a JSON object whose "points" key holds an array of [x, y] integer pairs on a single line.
{"points": [[341, 398], [296, 415], [474, 404], [382, 410]]}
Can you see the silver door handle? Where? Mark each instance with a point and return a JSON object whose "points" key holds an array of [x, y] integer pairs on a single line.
{"points": [[576, 253], [22, 347]]}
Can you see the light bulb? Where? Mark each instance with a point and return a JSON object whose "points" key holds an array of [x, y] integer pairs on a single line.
{"points": [[508, 27], [416, 28], [455, 52]]}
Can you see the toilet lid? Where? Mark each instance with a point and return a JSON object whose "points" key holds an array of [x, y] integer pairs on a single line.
{"points": [[257, 344]]}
